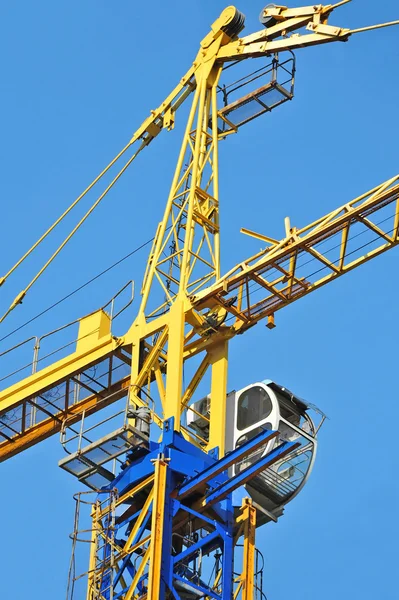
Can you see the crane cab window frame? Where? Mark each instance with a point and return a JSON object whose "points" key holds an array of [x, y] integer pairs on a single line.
{"points": [[254, 405]]}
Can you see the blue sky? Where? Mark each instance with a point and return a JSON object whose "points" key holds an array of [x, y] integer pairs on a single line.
{"points": [[77, 79]]}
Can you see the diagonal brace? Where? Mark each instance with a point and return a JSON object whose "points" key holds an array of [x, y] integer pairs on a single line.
{"points": [[229, 486], [227, 461]]}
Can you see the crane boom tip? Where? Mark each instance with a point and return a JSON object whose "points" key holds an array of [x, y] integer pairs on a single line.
{"points": [[371, 27]]}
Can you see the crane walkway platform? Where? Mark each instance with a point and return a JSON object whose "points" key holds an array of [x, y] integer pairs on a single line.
{"points": [[90, 463]]}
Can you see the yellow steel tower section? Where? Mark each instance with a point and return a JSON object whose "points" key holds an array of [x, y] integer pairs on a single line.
{"points": [[185, 257]]}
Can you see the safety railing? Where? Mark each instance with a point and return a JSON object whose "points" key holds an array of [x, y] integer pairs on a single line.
{"points": [[33, 346], [97, 448], [256, 93], [96, 386], [98, 536], [259, 565], [105, 577], [197, 423], [285, 477], [82, 434]]}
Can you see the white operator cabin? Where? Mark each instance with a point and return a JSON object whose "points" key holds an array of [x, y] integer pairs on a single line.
{"points": [[267, 405]]}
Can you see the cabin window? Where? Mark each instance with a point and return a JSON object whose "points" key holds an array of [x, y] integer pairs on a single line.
{"points": [[254, 405]]}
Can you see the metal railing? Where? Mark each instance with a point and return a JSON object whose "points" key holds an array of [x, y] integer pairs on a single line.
{"points": [[239, 109], [116, 426], [272, 69], [100, 538], [257, 575], [37, 361], [57, 402]]}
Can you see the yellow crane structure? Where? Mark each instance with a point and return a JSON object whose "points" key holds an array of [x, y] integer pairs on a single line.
{"points": [[175, 493]]}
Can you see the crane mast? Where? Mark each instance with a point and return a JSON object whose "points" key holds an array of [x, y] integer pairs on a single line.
{"points": [[169, 522]]}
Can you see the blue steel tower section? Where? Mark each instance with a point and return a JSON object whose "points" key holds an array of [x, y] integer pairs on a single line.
{"points": [[182, 509]]}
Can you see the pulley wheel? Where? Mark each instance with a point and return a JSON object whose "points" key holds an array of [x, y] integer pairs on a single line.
{"points": [[236, 24], [267, 21]]}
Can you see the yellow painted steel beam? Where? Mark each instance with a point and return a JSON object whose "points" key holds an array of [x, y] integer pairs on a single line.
{"points": [[174, 380], [195, 381], [90, 349], [217, 426], [142, 542], [143, 484], [140, 570], [248, 567], [162, 117], [157, 521], [139, 520], [278, 39], [53, 424], [94, 345]]}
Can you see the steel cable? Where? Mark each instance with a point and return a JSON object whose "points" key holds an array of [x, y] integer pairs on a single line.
{"points": [[21, 295], [78, 289], [64, 214]]}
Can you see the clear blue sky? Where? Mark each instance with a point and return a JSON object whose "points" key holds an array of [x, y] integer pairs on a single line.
{"points": [[77, 78]]}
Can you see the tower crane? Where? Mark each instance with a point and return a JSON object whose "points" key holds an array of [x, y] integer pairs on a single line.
{"points": [[180, 486]]}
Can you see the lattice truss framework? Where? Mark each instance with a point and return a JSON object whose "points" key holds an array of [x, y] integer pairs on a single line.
{"points": [[189, 311], [308, 258]]}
